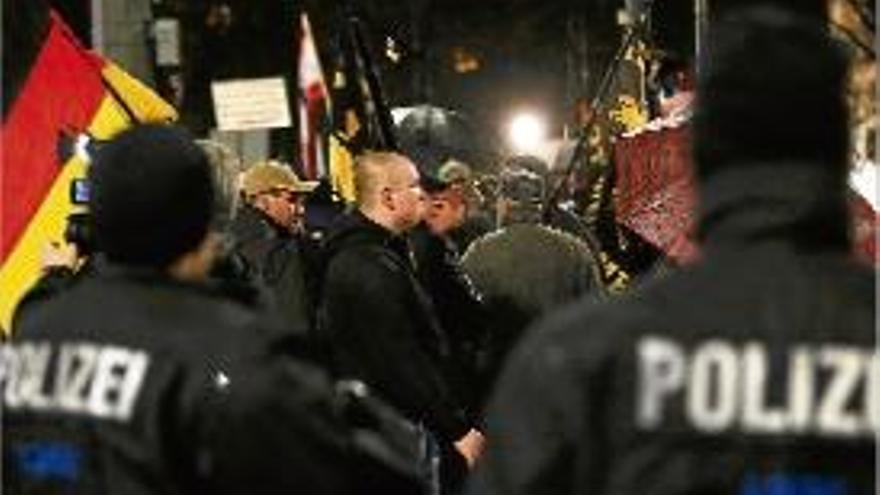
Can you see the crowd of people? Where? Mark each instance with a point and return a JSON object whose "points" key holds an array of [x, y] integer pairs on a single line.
{"points": [[226, 337]]}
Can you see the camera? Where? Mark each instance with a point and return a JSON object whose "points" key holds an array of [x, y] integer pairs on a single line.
{"points": [[79, 191], [79, 228]]}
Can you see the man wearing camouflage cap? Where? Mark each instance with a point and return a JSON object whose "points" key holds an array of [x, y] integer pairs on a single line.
{"points": [[274, 189], [268, 238]]}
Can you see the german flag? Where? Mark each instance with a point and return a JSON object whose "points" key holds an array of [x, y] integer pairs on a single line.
{"points": [[61, 93]]}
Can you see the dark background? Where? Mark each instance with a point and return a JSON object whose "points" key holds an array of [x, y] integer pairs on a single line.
{"points": [[529, 54]]}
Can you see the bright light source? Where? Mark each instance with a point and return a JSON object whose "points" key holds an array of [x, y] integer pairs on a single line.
{"points": [[392, 50], [527, 132], [400, 113]]}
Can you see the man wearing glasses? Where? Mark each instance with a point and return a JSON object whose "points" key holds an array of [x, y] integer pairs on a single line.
{"points": [[378, 322], [268, 239]]}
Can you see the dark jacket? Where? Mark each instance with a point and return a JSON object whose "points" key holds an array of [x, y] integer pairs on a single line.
{"points": [[279, 261], [458, 309], [748, 373], [476, 225], [53, 281], [522, 272], [132, 383], [381, 328]]}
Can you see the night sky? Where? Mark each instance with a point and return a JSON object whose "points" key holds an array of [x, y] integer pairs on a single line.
{"points": [[485, 59]]}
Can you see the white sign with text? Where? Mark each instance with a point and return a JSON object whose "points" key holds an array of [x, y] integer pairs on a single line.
{"points": [[243, 104]]}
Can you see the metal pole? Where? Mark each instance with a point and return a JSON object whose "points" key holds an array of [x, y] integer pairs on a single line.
{"points": [[598, 105], [701, 13], [97, 14]]}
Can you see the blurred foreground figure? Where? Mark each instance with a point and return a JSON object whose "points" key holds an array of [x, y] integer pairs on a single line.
{"points": [[523, 271], [754, 371], [140, 379]]}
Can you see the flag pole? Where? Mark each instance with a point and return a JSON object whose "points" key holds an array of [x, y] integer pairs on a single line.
{"points": [[598, 104], [701, 14], [367, 69]]}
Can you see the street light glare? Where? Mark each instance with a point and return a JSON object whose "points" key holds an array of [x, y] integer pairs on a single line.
{"points": [[527, 132]]}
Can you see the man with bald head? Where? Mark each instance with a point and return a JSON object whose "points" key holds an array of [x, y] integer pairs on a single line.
{"points": [[377, 321], [389, 191]]}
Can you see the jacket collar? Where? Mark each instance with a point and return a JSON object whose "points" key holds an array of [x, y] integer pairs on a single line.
{"points": [[149, 276], [799, 204], [253, 221], [356, 229]]}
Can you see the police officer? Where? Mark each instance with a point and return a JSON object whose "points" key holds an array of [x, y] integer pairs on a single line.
{"points": [[754, 371], [140, 380]]}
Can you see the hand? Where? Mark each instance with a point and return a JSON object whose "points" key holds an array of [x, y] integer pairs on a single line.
{"points": [[471, 446], [57, 255]]}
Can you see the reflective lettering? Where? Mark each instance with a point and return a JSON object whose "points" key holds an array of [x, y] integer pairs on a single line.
{"points": [[117, 379], [757, 415], [713, 373], [661, 372], [11, 366], [801, 386], [33, 366], [99, 381], [76, 366], [846, 368], [872, 393], [830, 390]]}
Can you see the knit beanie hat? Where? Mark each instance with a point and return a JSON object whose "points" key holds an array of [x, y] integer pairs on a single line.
{"points": [[152, 196], [770, 89]]}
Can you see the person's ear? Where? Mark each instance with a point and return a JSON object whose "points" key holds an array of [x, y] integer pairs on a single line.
{"points": [[387, 198]]}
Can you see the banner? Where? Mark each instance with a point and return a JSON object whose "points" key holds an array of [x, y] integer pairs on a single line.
{"points": [[314, 106], [69, 94], [656, 198], [655, 189]]}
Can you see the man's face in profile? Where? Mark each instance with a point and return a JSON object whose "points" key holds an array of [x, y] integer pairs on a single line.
{"points": [[284, 207], [408, 199], [446, 211]]}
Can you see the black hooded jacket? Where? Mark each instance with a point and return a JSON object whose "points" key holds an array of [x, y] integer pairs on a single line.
{"points": [[379, 325], [130, 382], [755, 371]]}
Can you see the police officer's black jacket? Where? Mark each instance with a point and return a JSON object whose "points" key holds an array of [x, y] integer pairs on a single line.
{"points": [[380, 325], [752, 372], [132, 383]]}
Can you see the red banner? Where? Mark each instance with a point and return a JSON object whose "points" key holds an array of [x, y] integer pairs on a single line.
{"points": [[313, 105], [655, 195]]}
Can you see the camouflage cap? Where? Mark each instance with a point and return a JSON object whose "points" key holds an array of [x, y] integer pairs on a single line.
{"points": [[272, 175], [454, 171]]}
